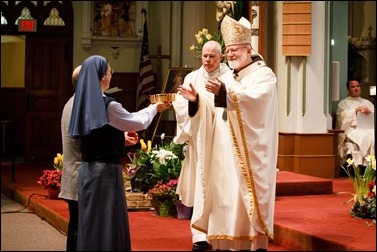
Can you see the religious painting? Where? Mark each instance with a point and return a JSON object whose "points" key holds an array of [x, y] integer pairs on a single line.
{"points": [[174, 78], [114, 19]]}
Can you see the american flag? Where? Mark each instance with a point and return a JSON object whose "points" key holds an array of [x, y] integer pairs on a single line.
{"points": [[146, 78]]}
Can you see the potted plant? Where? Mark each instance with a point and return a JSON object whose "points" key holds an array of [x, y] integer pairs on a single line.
{"points": [[51, 179], [137, 167], [164, 198], [364, 185]]}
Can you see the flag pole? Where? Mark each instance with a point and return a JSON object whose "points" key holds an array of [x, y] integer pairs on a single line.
{"points": [[144, 11], [155, 128], [146, 80]]}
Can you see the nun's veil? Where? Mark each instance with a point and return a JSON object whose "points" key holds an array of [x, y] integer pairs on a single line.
{"points": [[89, 110]]}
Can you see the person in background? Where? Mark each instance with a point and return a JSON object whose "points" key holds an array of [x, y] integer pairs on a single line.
{"points": [[237, 152], [71, 164], [189, 185], [100, 122], [354, 143]]}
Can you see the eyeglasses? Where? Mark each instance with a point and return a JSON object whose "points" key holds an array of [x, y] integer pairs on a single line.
{"points": [[234, 50]]}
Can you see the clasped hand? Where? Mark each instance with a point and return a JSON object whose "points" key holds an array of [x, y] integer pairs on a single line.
{"points": [[131, 138], [363, 109]]}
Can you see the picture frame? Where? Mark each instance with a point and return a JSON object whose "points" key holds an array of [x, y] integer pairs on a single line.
{"points": [[174, 77]]}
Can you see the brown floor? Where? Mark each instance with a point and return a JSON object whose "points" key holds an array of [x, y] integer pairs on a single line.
{"points": [[314, 219]]}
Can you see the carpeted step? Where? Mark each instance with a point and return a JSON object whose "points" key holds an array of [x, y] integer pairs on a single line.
{"points": [[295, 184], [322, 222], [288, 184], [312, 217]]}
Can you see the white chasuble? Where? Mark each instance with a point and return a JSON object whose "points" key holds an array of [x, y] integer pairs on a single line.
{"points": [[239, 179]]}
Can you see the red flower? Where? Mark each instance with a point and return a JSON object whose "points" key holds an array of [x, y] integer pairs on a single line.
{"points": [[50, 178], [371, 185]]}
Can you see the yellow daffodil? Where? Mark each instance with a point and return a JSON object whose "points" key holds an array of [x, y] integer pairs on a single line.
{"points": [[202, 37], [58, 161], [143, 145], [149, 146]]}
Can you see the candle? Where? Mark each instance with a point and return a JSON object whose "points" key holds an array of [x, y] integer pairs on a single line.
{"points": [[372, 90]]}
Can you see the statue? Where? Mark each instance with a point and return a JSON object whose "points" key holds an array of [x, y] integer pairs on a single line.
{"points": [[224, 8], [113, 19], [106, 16]]}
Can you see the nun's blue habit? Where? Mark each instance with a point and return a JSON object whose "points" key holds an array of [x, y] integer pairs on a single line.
{"points": [[103, 220]]}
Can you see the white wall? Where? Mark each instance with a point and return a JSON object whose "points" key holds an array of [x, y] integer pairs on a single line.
{"points": [[302, 83]]}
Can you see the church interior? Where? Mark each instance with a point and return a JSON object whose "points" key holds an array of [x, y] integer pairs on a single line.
{"points": [[43, 41]]}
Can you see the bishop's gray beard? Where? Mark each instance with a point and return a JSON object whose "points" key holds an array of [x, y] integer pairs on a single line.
{"points": [[234, 64]]}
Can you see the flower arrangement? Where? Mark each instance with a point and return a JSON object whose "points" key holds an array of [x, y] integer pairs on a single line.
{"points": [[160, 163], [202, 37], [139, 158], [137, 166], [52, 178], [58, 162], [364, 185], [166, 161], [164, 192]]}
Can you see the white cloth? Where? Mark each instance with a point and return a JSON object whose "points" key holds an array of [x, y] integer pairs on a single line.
{"points": [[237, 161], [357, 142], [124, 120], [189, 186]]}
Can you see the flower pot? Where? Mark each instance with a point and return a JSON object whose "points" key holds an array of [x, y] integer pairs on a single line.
{"points": [[183, 212], [53, 192], [155, 204], [165, 210], [136, 184]]}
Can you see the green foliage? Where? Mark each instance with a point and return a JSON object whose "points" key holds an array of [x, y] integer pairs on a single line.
{"points": [[164, 192], [364, 185], [161, 163]]}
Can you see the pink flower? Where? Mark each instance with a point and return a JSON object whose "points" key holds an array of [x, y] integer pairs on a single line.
{"points": [[164, 192]]}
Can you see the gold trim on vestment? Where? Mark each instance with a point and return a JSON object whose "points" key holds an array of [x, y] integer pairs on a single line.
{"points": [[247, 172], [225, 237]]}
